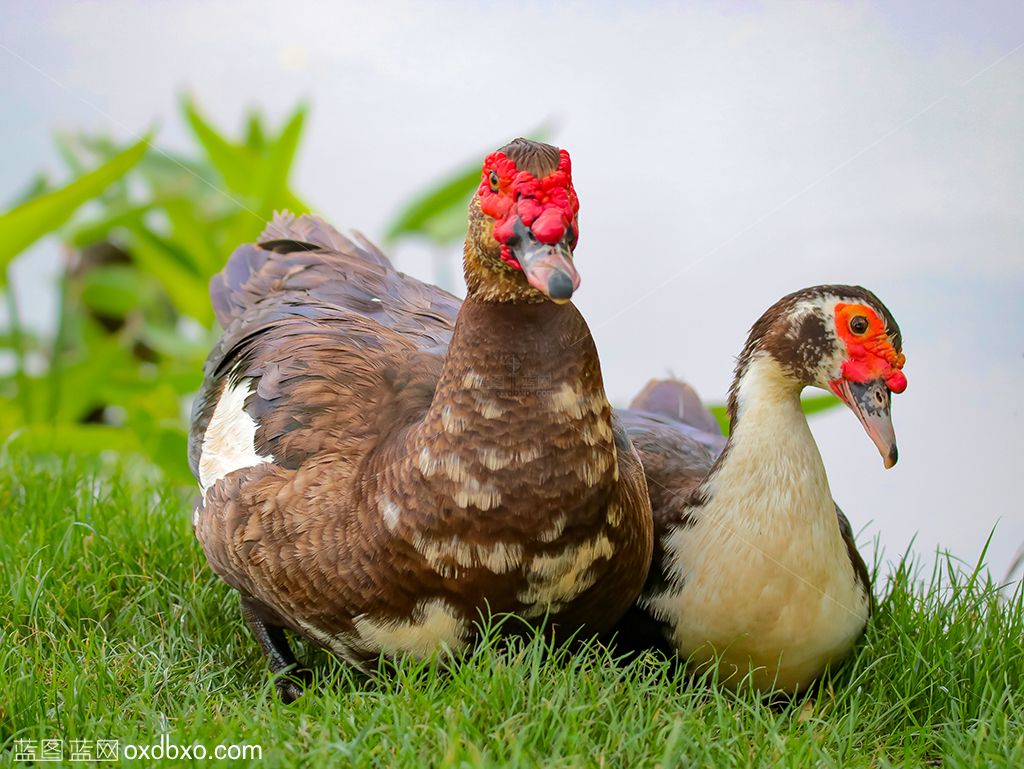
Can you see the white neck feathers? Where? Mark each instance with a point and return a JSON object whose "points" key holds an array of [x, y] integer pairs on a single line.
{"points": [[772, 474]]}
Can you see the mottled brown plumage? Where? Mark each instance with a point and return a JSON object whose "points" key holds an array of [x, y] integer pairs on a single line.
{"points": [[416, 463], [687, 602]]}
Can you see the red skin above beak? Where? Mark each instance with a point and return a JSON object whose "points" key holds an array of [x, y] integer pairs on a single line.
{"points": [[871, 401]]}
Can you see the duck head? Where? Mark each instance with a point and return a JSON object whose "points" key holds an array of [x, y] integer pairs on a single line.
{"points": [[844, 340], [523, 226]]}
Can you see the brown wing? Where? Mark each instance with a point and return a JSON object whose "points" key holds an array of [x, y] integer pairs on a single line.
{"points": [[674, 460], [674, 464], [322, 324], [860, 569], [307, 259], [678, 440]]}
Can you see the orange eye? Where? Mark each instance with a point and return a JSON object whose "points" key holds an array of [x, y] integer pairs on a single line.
{"points": [[858, 324], [493, 179]]}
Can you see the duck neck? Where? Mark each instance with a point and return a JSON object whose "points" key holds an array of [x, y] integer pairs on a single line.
{"points": [[771, 474], [520, 396], [494, 282]]}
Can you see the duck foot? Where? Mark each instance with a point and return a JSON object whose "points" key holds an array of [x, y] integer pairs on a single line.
{"points": [[290, 677], [292, 684]]}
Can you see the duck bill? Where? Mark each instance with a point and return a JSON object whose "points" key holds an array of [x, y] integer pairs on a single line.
{"points": [[548, 266], [871, 402]]}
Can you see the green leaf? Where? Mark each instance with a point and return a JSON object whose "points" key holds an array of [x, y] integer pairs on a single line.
{"points": [[721, 414], [70, 152], [242, 227], [429, 213], [171, 343], [167, 447], [38, 185], [229, 159], [83, 149], [291, 202], [100, 228], [75, 381], [24, 225], [815, 404], [193, 235], [172, 175], [255, 135], [115, 290], [186, 289], [447, 226], [272, 181]]}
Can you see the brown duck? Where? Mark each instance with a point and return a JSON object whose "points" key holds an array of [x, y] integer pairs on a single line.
{"points": [[754, 564], [381, 465]]}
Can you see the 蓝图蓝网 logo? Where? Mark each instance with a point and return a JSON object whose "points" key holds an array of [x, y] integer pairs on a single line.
{"points": [[50, 749], [57, 749]]}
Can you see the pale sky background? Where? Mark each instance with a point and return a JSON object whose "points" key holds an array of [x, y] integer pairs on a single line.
{"points": [[724, 154]]}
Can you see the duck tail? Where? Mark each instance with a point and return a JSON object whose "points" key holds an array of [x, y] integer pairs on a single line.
{"points": [[256, 270], [678, 400]]}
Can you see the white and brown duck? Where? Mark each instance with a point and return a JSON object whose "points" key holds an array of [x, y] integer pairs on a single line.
{"points": [[754, 564], [380, 465]]}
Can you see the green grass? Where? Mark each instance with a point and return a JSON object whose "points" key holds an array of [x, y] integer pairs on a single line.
{"points": [[112, 627]]}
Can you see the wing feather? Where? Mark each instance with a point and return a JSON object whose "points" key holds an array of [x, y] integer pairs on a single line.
{"points": [[324, 325]]}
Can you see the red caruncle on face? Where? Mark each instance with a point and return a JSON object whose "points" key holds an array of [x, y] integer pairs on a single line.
{"points": [[547, 206], [871, 353]]}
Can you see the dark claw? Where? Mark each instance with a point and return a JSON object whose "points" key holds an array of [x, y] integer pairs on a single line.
{"points": [[293, 684], [290, 677]]}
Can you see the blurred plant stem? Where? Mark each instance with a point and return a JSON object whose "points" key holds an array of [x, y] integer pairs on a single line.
{"points": [[54, 377], [17, 345]]}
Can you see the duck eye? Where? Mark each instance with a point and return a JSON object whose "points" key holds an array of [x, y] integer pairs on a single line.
{"points": [[493, 178], [858, 324]]}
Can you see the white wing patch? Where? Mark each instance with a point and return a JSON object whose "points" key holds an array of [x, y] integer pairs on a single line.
{"points": [[229, 443]]}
